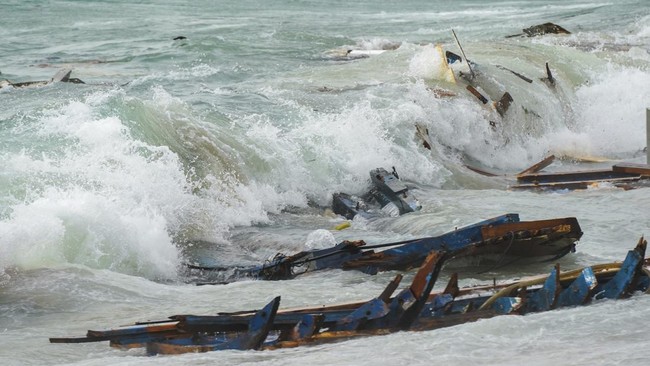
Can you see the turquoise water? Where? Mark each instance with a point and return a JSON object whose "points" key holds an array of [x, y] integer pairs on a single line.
{"points": [[238, 135]]}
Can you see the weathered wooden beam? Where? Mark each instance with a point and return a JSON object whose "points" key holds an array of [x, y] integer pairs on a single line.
{"points": [[537, 166], [576, 176], [576, 184], [562, 225], [632, 168]]}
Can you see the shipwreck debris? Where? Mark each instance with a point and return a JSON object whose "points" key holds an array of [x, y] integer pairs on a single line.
{"points": [[495, 242], [463, 57], [541, 29], [62, 76], [387, 190], [621, 175], [549, 79], [503, 104], [414, 308]]}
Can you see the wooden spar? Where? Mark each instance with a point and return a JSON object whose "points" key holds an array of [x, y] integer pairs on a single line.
{"points": [[471, 72], [481, 171], [549, 75], [421, 287], [577, 184], [522, 77], [160, 329], [584, 175], [538, 166]]}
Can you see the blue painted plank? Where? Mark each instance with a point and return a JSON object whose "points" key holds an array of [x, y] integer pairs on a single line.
{"points": [[307, 326], [580, 290], [507, 305], [373, 309], [544, 298], [258, 329], [619, 285]]}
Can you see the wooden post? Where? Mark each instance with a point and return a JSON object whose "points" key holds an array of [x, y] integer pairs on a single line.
{"points": [[647, 134]]}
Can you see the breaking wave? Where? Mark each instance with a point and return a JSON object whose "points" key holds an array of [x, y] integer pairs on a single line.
{"points": [[112, 181]]}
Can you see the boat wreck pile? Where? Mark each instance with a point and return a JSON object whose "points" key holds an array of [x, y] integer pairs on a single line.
{"points": [[621, 175], [388, 191], [494, 242], [62, 76], [414, 308], [497, 242]]}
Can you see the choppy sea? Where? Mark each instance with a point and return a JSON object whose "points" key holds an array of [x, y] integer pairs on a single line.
{"points": [[228, 142]]}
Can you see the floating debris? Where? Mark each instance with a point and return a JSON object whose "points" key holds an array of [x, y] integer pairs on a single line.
{"points": [[414, 308], [495, 242]]}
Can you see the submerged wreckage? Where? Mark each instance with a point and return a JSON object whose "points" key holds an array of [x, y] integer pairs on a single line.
{"points": [[62, 76], [387, 190], [414, 308], [495, 242], [620, 175]]}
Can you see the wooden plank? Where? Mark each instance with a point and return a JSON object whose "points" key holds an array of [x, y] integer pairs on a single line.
{"points": [[579, 291], [632, 168], [507, 305], [575, 176], [622, 284], [545, 298], [258, 329], [579, 184], [538, 166], [481, 171], [566, 224]]}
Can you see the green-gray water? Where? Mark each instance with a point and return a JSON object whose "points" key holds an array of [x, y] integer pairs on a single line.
{"points": [[239, 133]]}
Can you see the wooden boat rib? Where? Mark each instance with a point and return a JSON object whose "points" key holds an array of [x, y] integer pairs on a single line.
{"points": [[415, 308]]}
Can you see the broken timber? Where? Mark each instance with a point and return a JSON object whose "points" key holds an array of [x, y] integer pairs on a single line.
{"points": [[621, 175], [624, 175], [494, 242], [415, 308]]}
